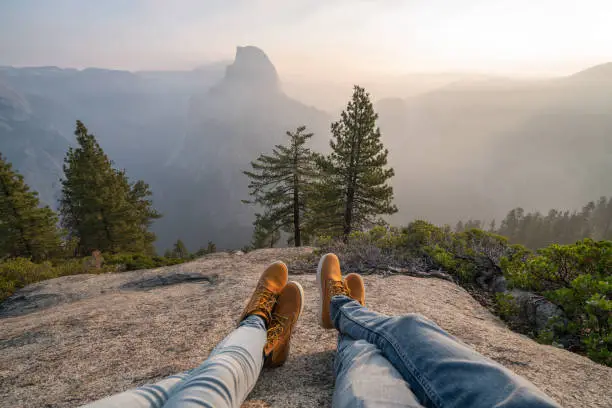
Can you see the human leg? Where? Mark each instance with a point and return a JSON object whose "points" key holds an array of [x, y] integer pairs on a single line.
{"points": [[146, 396], [232, 368], [229, 374], [223, 380], [366, 379], [441, 371]]}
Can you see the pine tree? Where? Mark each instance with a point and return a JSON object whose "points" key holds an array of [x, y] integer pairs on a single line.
{"points": [[492, 226], [265, 233], [180, 251], [99, 206], [459, 227], [139, 197], [210, 248], [602, 219], [26, 229], [280, 183], [354, 189], [472, 224]]}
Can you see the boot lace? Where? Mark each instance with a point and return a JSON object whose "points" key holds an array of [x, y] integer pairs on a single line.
{"points": [[337, 288], [277, 328], [263, 300]]}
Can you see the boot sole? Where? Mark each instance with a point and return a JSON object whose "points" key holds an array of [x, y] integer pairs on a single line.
{"points": [[301, 289], [320, 285]]}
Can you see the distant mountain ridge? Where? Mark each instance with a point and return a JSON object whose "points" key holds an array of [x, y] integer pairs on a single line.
{"points": [[463, 146], [601, 72], [490, 147], [244, 114], [251, 69], [187, 133]]}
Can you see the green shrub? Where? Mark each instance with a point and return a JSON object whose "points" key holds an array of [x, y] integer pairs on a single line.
{"points": [[461, 254], [513, 267], [577, 278], [133, 262], [18, 272], [546, 336], [420, 235], [7, 288], [505, 306], [432, 247]]}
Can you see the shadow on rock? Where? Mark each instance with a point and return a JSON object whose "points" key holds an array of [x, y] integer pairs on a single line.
{"points": [[22, 304], [169, 279]]}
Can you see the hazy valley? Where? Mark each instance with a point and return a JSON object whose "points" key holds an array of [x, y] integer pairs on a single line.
{"points": [[462, 146]]}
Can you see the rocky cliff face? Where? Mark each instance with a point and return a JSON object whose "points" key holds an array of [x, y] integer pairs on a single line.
{"points": [[243, 115], [251, 69], [33, 147], [75, 339]]}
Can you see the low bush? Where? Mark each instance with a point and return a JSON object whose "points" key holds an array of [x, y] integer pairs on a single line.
{"points": [[18, 272], [133, 262], [577, 278], [506, 307]]}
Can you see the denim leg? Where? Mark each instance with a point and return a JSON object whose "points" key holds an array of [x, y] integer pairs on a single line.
{"points": [[441, 371], [366, 379], [224, 380], [230, 372], [147, 396]]}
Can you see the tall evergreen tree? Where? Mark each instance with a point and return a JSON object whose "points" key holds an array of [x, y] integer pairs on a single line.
{"points": [[459, 227], [536, 230], [210, 248], [140, 197], [280, 183], [180, 251], [265, 233], [602, 219], [26, 229], [354, 189], [99, 206]]}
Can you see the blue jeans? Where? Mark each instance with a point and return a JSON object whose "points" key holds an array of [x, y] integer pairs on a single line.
{"points": [[439, 369], [366, 379], [381, 362], [224, 380]]}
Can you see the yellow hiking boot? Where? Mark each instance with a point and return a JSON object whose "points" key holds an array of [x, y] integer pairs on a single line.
{"points": [[269, 287], [354, 284], [284, 317], [329, 281]]}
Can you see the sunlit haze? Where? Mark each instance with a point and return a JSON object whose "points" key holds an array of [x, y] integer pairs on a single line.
{"points": [[544, 37], [483, 105]]}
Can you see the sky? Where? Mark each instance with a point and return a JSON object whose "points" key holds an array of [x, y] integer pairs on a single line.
{"points": [[312, 37]]}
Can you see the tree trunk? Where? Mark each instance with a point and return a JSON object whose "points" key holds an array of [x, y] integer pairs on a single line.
{"points": [[296, 217], [348, 214], [352, 184], [107, 232], [296, 200]]}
